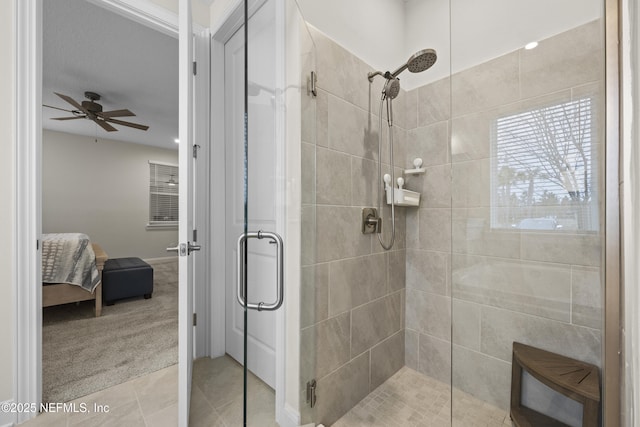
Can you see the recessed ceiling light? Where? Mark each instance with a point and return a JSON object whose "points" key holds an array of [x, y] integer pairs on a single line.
{"points": [[177, 141], [531, 45]]}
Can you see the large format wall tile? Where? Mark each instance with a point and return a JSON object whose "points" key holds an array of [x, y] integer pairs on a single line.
{"points": [[434, 186], [465, 328], [569, 59], [472, 234], [495, 82], [429, 143], [429, 314], [340, 72], [471, 136], [386, 359], [434, 358], [339, 233], [364, 182], [329, 341], [566, 248], [308, 172], [411, 348], [586, 297], [435, 229], [397, 270], [471, 184], [322, 119], [314, 294], [434, 102], [375, 321], [333, 177], [342, 389], [352, 130], [542, 289], [500, 328], [427, 271], [356, 281], [482, 376]]}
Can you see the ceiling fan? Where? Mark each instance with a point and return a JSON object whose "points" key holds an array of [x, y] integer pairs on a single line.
{"points": [[91, 110]]}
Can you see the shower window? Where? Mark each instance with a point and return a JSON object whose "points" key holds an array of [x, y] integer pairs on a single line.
{"points": [[542, 174]]}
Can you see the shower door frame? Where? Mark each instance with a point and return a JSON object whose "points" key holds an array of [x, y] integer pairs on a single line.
{"points": [[614, 309]]}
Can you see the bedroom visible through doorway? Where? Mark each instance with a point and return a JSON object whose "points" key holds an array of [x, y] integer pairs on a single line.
{"points": [[96, 184]]}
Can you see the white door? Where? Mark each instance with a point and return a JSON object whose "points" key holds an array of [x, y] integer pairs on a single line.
{"points": [[185, 227], [260, 191]]}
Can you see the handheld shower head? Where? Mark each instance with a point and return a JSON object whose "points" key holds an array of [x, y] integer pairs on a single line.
{"points": [[391, 88]]}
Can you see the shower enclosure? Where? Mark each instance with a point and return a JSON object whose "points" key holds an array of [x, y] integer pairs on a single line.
{"points": [[506, 244]]}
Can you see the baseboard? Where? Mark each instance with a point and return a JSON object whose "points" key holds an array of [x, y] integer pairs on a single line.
{"points": [[7, 419], [288, 416], [161, 260]]}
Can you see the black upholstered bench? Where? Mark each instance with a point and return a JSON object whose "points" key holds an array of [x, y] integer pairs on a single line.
{"points": [[126, 278]]}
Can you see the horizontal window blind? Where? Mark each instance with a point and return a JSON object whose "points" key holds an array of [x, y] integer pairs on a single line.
{"points": [[163, 194], [542, 168]]}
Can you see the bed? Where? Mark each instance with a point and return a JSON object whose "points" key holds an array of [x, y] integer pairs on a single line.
{"points": [[71, 270]]}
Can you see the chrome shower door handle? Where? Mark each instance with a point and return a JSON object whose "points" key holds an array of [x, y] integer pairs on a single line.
{"points": [[240, 276]]}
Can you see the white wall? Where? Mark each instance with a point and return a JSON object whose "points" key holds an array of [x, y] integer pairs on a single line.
{"points": [[371, 29], [7, 207], [385, 33], [199, 9], [102, 189]]}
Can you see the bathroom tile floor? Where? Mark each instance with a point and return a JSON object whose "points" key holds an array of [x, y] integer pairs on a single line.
{"points": [[408, 398], [152, 400]]}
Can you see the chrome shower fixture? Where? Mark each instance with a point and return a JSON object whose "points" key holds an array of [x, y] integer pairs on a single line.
{"points": [[417, 63]]}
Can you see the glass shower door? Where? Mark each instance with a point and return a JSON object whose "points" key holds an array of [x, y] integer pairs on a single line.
{"points": [[527, 127], [275, 53]]}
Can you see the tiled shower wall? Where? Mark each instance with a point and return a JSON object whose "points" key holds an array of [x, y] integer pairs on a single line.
{"points": [[478, 287], [352, 334], [484, 287]]}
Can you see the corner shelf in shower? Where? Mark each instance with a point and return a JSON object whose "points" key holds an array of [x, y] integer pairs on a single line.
{"points": [[403, 197]]}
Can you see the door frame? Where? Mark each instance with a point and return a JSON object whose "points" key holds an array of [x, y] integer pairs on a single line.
{"points": [[27, 299], [287, 317]]}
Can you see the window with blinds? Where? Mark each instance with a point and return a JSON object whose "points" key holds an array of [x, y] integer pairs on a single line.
{"points": [[543, 175], [163, 194]]}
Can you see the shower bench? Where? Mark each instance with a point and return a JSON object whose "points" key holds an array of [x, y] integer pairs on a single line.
{"points": [[577, 380]]}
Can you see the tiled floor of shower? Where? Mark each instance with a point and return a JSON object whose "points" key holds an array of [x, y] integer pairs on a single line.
{"points": [[410, 398]]}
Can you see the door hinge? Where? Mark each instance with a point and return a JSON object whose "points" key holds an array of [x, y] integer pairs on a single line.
{"points": [[195, 235], [311, 84], [195, 68], [196, 147], [311, 393], [195, 319]]}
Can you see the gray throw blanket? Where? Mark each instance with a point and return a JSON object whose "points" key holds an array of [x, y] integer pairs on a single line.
{"points": [[69, 258]]}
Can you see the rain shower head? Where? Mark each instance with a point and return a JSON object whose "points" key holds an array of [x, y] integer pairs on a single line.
{"points": [[418, 62]]}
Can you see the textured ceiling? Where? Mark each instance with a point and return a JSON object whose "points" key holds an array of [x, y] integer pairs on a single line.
{"points": [[87, 48]]}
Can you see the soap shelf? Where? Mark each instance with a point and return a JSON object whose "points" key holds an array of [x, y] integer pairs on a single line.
{"points": [[416, 171], [403, 197]]}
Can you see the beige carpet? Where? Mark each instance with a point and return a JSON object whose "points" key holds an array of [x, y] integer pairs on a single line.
{"points": [[82, 354]]}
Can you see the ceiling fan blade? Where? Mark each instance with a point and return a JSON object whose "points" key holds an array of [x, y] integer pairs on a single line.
{"points": [[67, 118], [132, 125], [57, 108], [106, 126], [115, 113], [70, 101]]}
